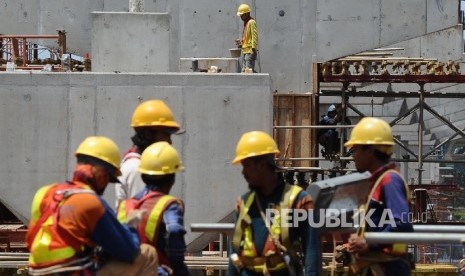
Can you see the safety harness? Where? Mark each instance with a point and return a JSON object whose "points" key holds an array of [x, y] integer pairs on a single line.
{"points": [[242, 243], [149, 227], [53, 249], [364, 264]]}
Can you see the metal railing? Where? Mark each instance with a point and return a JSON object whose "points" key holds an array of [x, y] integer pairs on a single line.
{"points": [[421, 234]]}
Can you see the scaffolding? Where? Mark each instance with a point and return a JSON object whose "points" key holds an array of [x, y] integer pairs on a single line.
{"points": [[23, 51], [351, 73]]}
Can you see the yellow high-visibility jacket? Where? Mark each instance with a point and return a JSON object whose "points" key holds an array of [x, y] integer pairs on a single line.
{"points": [[249, 37]]}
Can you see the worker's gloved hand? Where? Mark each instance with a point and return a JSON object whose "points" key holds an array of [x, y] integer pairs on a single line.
{"points": [[134, 218]]}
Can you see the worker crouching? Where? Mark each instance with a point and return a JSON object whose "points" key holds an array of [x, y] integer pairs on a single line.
{"points": [[73, 231], [163, 215], [270, 248]]}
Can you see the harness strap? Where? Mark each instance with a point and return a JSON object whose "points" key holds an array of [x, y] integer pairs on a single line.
{"points": [[369, 262], [155, 217], [289, 195], [243, 217], [51, 208], [361, 230]]}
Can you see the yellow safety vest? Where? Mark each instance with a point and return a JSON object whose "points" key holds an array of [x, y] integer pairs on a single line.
{"points": [[242, 242], [250, 37]]}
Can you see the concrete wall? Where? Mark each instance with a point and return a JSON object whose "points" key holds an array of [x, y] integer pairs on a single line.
{"points": [[348, 27], [292, 34], [130, 42], [46, 116]]}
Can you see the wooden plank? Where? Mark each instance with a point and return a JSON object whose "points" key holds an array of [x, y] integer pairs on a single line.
{"points": [[291, 110], [302, 140]]}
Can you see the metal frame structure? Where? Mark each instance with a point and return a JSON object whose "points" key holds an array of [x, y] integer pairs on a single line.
{"points": [[18, 48], [348, 71]]}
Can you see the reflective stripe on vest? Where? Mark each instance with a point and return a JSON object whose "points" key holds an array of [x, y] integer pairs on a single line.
{"points": [[46, 244], [121, 213], [147, 231], [149, 226], [125, 207], [243, 235], [153, 221], [41, 251]]}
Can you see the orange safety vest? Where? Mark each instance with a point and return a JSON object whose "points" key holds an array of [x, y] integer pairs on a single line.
{"points": [[148, 229], [47, 243], [242, 242]]}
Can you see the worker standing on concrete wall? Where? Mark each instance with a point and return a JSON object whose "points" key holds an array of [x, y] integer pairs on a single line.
{"points": [[249, 41], [152, 121], [372, 144], [262, 244], [163, 220], [72, 229]]}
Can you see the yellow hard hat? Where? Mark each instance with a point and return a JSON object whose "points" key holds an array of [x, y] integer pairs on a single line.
{"points": [[243, 8], [254, 143], [101, 148], [153, 113], [160, 158], [372, 131]]}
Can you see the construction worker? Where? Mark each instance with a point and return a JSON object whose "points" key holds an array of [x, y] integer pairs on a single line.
{"points": [[73, 231], [152, 121], [388, 203], [249, 40], [163, 220], [261, 247], [329, 137]]}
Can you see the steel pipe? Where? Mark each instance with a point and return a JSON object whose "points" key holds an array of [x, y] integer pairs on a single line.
{"points": [[14, 258], [16, 254], [418, 228], [212, 227], [413, 238], [425, 228]]}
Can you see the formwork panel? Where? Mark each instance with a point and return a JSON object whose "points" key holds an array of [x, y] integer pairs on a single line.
{"points": [[293, 110]]}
